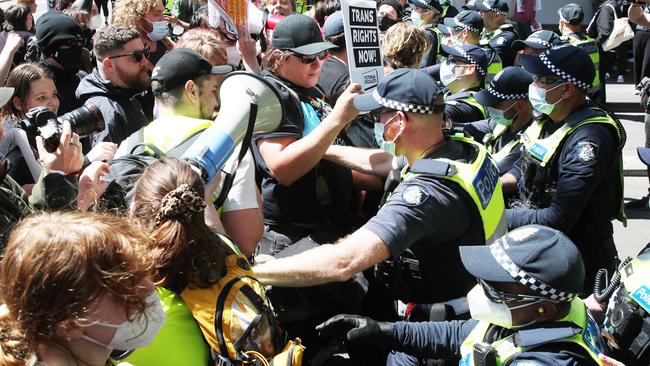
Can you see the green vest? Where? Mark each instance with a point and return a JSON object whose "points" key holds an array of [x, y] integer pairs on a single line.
{"points": [[179, 342], [480, 179], [589, 45], [588, 338], [542, 150], [499, 130], [486, 36], [167, 132], [495, 65], [469, 99]]}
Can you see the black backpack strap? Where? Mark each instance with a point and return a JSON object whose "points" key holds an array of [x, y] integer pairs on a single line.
{"points": [[134, 141], [245, 145], [157, 153]]}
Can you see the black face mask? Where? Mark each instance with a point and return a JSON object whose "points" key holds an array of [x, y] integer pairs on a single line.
{"points": [[385, 22], [69, 58]]}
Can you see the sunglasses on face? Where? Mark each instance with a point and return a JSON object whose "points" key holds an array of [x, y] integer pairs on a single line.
{"points": [[543, 80], [498, 296], [308, 59], [137, 55]]}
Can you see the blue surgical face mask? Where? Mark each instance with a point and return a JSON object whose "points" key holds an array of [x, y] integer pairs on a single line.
{"points": [[499, 117], [537, 97], [387, 146], [416, 18], [447, 75], [159, 30]]}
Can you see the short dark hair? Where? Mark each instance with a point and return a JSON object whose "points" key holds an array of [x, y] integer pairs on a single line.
{"points": [[325, 8], [172, 97], [337, 40], [113, 37]]}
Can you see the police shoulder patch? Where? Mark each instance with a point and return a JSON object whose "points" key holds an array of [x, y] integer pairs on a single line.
{"points": [[414, 195], [587, 151], [500, 41]]}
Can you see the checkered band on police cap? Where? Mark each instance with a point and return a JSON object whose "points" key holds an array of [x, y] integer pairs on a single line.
{"points": [[404, 107], [465, 25], [563, 74], [425, 5], [538, 41], [494, 10], [498, 252], [472, 61], [500, 95]]}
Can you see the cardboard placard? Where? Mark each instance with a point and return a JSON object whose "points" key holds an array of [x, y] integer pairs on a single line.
{"points": [[362, 41]]}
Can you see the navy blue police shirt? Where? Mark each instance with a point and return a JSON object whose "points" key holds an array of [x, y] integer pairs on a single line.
{"points": [[479, 129]]}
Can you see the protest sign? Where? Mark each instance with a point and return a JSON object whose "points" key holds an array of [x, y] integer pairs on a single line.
{"points": [[362, 42]]}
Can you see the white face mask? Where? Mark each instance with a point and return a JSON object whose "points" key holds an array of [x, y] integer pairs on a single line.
{"points": [[234, 58], [95, 22], [159, 30], [482, 308], [499, 116], [416, 18], [137, 333], [387, 146], [447, 75]]}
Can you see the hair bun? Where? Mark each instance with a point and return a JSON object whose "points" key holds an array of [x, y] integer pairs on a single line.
{"points": [[180, 204]]}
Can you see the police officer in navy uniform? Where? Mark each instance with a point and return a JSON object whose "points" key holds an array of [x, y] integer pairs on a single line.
{"points": [[570, 25], [426, 13], [463, 73], [536, 43], [570, 174], [525, 310], [510, 113], [498, 34], [449, 195]]}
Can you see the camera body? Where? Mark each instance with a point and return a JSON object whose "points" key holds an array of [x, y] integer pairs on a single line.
{"points": [[40, 121]]}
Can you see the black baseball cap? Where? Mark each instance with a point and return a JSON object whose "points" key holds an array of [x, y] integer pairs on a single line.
{"points": [[541, 40], [473, 54], [467, 19], [54, 29], [495, 6], [538, 257], [333, 25], [428, 5], [407, 90], [396, 5], [571, 13], [510, 83], [565, 61], [179, 65], [300, 34], [470, 5]]}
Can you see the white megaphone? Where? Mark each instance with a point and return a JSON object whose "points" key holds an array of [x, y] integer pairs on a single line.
{"points": [[260, 20], [246, 100]]}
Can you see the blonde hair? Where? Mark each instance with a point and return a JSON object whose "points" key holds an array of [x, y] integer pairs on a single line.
{"points": [[56, 266], [129, 12], [404, 44], [205, 42]]}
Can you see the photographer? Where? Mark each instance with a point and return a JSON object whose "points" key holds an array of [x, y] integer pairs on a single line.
{"points": [[33, 87]]}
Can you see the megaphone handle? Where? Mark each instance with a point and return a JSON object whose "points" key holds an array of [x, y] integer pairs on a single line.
{"points": [[245, 145]]}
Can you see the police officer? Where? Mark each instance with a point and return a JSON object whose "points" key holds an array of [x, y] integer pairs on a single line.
{"points": [[466, 28], [498, 34], [571, 16], [426, 14], [536, 43], [463, 74], [510, 113], [525, 309], [448, 10], [570, 175], [450, 195]]}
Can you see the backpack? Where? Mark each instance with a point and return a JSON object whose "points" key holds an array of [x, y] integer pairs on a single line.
{"points": [[237, 320]]}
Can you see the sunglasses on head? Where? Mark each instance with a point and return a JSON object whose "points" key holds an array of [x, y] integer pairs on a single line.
{"points": [[307, 59], [137, 55]]}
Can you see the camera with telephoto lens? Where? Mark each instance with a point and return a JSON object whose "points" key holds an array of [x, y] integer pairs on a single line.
{"points": [[41, 121]]}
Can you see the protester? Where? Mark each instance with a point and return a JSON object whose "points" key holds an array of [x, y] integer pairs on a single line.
{"points": [[324, 9], [404, 45], [60, 41], [20, 21], [525, 18], [280, 7], [122, 73], [74, 295], [575, 186], [389, 13]]}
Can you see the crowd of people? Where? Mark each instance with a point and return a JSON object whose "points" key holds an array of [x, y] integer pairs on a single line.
{"points": [[459, 213]]}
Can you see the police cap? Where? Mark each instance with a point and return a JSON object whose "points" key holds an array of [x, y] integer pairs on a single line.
{"points": [[541, 40], [510, 83], [570, 63]]}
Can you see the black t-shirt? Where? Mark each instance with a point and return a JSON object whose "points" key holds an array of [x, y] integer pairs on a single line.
{"points": [[431, 217], [299, 202], [334, 78]]}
